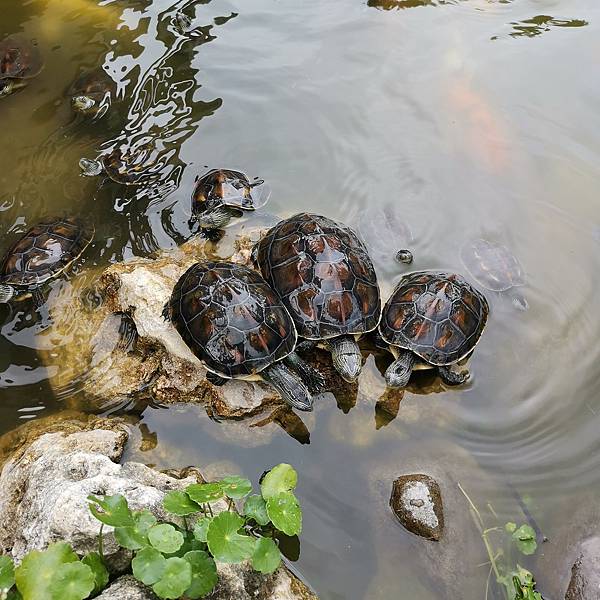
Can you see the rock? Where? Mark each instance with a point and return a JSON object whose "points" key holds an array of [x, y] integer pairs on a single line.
{"points": [[585, 574], [127, 587], [417, 502]]}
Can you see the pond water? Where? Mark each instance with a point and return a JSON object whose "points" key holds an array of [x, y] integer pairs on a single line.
{"points": [[420, 122]]}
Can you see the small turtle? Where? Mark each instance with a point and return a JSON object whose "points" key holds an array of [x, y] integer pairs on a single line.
{"points": [[20, 59], [92, 93], [494, 267], [223, 194], [238, 327], [44, 252], [326, 280], [127, 167], [435, 317]]}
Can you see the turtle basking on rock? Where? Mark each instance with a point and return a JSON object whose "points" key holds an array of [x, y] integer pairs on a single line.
{"points": [[42, 253], [20, 60], [431, 320], [326, 280], [239, 328]]}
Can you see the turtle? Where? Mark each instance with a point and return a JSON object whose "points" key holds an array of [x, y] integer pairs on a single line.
{"points": [[20, 59], [223, 194], [433, 319], [494, 267], [235, 323], [327, 281], [42, 253], [92, 92]]}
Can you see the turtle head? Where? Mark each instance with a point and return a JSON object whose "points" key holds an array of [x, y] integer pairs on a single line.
{"points": [[346, 357], [6, 293], [398, 373], [404, 256], [90, 167], [9, 86], [218, 217], [82, 104]]}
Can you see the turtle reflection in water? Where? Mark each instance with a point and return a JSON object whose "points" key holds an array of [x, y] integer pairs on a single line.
{"points": [[92, 93], [20, 60], [431, 320], [494, 267], [44, 252], [237, 326]]}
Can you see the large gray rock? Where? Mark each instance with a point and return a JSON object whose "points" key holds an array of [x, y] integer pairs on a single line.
{"points": [[127, 587], [585, 574]]}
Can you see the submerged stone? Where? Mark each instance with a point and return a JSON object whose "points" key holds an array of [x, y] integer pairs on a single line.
{"points": [[417, 503], [585, 574]]}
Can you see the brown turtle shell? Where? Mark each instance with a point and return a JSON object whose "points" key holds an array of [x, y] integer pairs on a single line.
{"points": [[222, 187], [131, 166], [324, 275], [19, 58], [231, 319], [438, 316], [44, 251], [95, 84]]}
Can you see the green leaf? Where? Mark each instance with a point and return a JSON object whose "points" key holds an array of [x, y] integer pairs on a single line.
{"points": [[165, 537], [236, 487], [256, 508], [136, 537], [39, 568], [73, 581], [7, 572], [179, 503], [525, 541], [14, 594], [148, 565], [281, 478], [204, 574], [204, 492], [224, 541], [201, 528], [94, 561], [266, 557], [284, 511], [176, 578], [510, 527], [115, 510]]}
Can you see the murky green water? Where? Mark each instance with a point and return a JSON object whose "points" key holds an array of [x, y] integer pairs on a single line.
{"points": [[460, 119]]}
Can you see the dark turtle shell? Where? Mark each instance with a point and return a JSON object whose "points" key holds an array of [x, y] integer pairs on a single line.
{"points": [[95, 84], [231, 319], [44, 251], [19, 58], [439, 316], [324, 275], [225, 187], [131, 166]]}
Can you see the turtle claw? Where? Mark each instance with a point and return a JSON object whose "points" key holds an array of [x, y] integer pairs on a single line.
{"points": [[450, 377]]}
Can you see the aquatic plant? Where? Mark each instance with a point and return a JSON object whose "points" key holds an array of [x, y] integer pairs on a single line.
{"points": [[176, 558]]}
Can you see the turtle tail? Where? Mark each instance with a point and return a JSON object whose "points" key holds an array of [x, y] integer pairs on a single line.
{"points": [[346, 357], [292, 389], [6, 293]]}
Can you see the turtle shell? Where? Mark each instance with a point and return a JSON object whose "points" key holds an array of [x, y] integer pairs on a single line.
{"points": [[19, 58], [227, 187], [324, 275], [44, 251], [439, 316], [131, 167], [231, 319], [96, 84]]}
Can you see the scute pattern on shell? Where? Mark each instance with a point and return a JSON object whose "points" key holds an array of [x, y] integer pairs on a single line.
{"points": [[324, 275], [439, 316], [231, 319], [44, 251], [19, 58]]}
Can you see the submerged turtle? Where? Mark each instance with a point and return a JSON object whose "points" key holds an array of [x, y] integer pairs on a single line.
{"points": [[92, 93], [223, 194], [127, 167], [20, 59], [238, 327], [432, 319], [44, 252], [494, 267], [326, 280]]}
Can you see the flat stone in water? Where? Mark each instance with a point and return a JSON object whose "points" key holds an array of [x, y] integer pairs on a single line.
{"points": [[417, 503]]}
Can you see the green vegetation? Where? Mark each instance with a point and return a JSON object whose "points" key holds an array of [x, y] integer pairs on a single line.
{"points": [[176, 558], [518, 583]]}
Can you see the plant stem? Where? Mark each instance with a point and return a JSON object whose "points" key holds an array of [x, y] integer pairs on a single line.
{"points": [[101, 543]]}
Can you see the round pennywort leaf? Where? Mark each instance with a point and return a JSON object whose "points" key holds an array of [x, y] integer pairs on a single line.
{"points": [[201, 528], [176, 578], [204, 574], [179, 503], [94, 561], [255, 508], [235, 487], [204, 492], [111, 510], [7, 572], [284, 511], [165, 538], [148, 566], [525, 541], [281, 478], [266, 557], [72, 581], [224, 541]]}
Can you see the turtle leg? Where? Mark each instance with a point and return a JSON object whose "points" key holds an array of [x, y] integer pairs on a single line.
{"points": [[128, 333], [306, 345], [450, 377], [289, 384], [215, 379], [254, 255], [6, 293], [399, 372], [38, 298], [166, 312], [346, 357], [313, 379]]}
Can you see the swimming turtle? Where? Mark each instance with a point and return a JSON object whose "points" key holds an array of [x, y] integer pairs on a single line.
{"points": [[20, 59], [223, 194], [44, 252], [127, 167], [238, 327], [92, 93], [326, 279], [432, 319], [494, 267]]}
